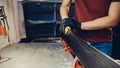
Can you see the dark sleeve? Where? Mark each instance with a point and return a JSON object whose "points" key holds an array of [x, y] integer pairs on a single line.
{"points": [[115, 0]]}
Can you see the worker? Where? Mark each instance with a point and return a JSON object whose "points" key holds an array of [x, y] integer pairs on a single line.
{"points": [[93, 20]]}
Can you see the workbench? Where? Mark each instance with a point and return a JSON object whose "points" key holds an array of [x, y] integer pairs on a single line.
{"points": [[36, 55]]}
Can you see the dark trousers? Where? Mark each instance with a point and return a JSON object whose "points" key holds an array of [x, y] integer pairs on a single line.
{"points": [[116, 42]]}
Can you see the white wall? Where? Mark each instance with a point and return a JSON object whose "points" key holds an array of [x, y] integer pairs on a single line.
{"points": [[0, 3], [15, 19]]}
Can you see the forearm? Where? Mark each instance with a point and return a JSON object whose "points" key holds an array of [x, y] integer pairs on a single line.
{"points": [[64, 12], [64, 9], [100, 23], [111, 20]]}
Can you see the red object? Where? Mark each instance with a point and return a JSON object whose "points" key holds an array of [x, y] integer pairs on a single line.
{"points": [[76, 65], [68, 49], [3, 30]]}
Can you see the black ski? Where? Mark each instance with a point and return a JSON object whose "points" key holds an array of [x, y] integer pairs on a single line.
{"points": [[89, 56]]}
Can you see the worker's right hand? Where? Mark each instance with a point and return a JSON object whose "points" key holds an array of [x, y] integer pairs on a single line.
{"points": [[76, 24]]}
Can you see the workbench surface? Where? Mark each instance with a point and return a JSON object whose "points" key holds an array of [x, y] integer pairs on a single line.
{"points": [[36, 55]]}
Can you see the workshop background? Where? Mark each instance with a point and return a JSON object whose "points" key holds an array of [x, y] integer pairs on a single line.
{"points": [[29, 34], [29, 37]]}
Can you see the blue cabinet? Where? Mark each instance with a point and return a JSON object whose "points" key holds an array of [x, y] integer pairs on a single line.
{"points": [[42, 18]]}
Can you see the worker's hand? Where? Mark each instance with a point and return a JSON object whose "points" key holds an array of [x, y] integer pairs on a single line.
{"points": [[76, 24], [72, 23], [65, 22]]}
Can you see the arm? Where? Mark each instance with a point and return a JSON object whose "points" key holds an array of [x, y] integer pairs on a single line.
{"points": [[64, 9], [104, 22]]}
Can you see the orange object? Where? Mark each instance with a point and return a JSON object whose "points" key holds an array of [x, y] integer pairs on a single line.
{"points": [[1, 33], [76, 64], [67, 47], [3, 30]]}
